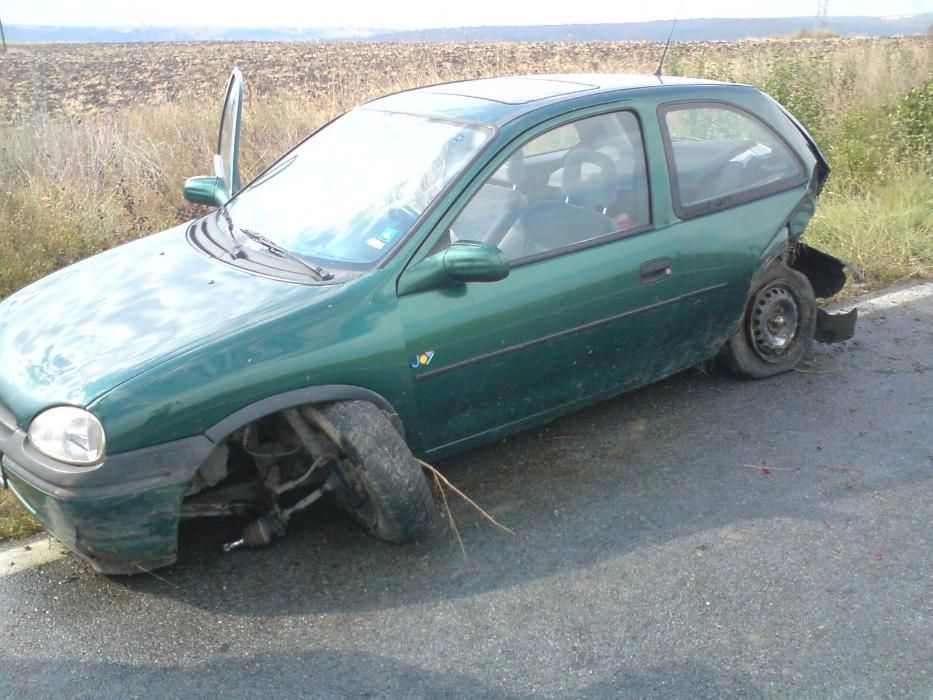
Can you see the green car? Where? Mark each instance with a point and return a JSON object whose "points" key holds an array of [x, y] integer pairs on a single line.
{"points": [[433, 270]]}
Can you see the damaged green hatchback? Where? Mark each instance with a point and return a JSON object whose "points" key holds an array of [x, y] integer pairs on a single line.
{"points": [[430, 271]]}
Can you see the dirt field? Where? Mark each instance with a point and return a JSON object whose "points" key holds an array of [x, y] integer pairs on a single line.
{"points": [[77, 79]]}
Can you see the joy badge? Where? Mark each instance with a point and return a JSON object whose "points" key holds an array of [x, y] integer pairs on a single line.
{"points": [[423, 359]]}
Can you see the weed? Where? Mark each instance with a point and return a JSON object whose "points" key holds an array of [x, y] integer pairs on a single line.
{"points": [[886, 231], [15, 522]]}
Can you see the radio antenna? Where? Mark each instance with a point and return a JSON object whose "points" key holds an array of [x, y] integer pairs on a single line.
{"points": [[657, 71]]}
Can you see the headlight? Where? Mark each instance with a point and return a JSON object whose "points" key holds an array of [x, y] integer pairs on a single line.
{"points": [[68, 434]]}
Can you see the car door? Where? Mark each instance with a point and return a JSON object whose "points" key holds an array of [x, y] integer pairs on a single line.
{"points": [[227, 156], [588, 309]]}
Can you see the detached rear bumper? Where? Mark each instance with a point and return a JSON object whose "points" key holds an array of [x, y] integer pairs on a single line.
{"points": [[120, 516], [834, 328], [827, 275]]}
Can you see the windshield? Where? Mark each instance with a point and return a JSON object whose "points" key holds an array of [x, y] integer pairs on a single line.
{"points": [[350, 193]]}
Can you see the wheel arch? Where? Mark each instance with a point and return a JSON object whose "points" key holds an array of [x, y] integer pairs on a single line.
{"points": [[826, 272], [325, 393], [776, 249]]}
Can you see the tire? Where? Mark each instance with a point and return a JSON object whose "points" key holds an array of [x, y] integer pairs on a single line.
{"points": [[377, 480], [777, 327]]}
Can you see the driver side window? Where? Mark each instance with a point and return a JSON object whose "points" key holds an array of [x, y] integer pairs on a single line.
{"points": [[574, 185]]}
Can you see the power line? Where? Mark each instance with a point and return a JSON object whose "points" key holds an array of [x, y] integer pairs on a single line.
{"points": [[2, 37], [821, 8]]}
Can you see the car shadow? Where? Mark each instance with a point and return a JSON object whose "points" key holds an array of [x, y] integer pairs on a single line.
{"points": [[325, 673]]}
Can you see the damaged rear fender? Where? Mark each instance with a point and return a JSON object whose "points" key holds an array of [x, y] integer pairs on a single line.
{"points": [[827, 276]]}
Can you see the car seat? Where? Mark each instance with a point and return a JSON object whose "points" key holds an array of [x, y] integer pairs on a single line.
{"points": [[579, 216], [495, 207]]}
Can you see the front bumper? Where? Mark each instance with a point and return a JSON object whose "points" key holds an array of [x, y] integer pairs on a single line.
{"points": [[120, 516]]}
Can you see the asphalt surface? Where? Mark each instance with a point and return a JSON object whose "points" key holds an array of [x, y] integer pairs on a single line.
{"points": [[704, 537]]}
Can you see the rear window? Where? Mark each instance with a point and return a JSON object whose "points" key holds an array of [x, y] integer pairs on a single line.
{"points": [[720, 156]]}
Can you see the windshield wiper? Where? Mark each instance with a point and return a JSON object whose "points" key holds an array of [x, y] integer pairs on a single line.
{"points": [[236, 252], [230, 228], [281, 252]]}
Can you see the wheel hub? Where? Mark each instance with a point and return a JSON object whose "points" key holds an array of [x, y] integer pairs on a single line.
{"points": [[773, 322]]}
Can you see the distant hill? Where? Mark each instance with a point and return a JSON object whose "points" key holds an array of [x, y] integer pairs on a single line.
{"points": [[33, 33], [687, 30]]}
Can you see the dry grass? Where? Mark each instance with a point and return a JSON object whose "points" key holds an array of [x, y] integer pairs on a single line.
{"points": [[99, 138]]}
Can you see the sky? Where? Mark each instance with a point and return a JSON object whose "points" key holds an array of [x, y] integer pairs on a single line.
{"points": [[417, 13]]}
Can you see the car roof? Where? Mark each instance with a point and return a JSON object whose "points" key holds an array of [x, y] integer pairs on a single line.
{"points": [[496, 101]]}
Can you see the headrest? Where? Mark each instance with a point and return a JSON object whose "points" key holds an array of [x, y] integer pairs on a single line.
{"points": [[515, 168], [595, 190]]}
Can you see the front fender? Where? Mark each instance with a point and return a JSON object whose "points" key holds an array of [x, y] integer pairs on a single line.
{"points": [[299, 397]]}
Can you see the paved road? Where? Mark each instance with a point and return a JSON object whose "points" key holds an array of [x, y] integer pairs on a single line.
{"points": [[653, 558]]}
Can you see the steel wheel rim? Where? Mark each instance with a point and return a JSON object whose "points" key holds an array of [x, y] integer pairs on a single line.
{"points": [[773, 322]]}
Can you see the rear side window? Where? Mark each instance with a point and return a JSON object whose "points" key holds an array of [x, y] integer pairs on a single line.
{"points": [[720, 156]]}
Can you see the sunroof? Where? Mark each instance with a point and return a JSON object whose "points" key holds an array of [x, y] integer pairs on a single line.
{"points": [[512, 91]]}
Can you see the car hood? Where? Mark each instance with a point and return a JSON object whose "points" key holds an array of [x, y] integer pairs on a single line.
{"points": [[79, 332]]}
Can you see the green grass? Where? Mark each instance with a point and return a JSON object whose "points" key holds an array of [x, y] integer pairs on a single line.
{"points": [[15, 522], [887, 231]]}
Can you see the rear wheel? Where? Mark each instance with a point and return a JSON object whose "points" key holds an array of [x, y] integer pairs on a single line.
{"points": [[778, 325], [376, 480]]}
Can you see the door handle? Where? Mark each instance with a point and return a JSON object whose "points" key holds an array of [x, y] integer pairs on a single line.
{"points": [[655, 270]]}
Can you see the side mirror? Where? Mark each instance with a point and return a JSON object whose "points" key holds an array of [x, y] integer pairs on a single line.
{"points": [[469, 261], [217, 190], [206, 189], [458, 263]]}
